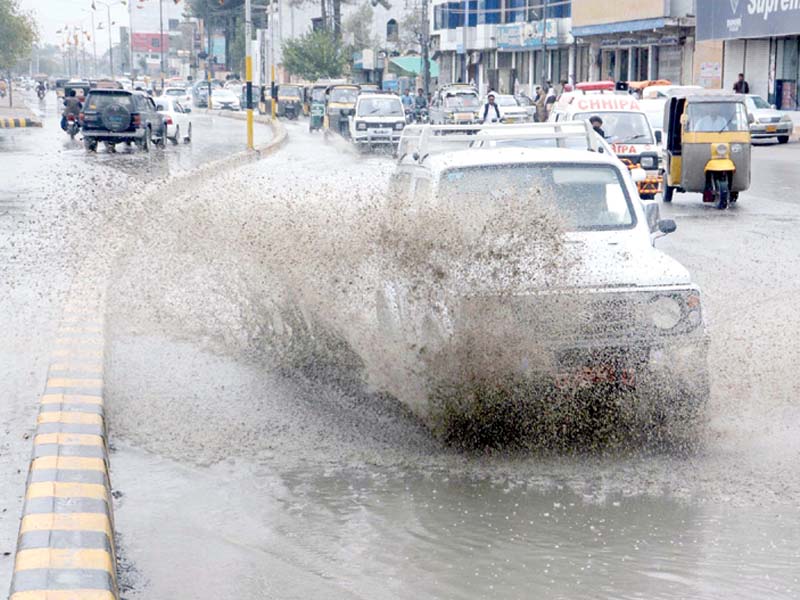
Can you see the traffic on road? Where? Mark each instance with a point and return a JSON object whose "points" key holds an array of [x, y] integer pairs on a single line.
{"points": [[457, 345]]}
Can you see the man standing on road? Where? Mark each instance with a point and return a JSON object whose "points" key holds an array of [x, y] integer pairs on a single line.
{"points": [[741, 86], [72, 106], [491, 113]]}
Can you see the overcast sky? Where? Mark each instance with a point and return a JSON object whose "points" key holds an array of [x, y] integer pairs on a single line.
{"points": [[52, 15]]}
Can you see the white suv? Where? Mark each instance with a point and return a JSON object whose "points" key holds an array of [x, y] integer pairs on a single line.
{"points": [[606, 306], [379, 119]]}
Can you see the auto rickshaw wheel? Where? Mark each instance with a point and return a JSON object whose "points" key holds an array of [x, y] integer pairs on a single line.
{"points": [[668, 192], [721, 190]]}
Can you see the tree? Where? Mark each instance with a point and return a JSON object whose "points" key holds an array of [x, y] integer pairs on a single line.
{"points": [[17, 34], [315, 55], [357, 28], [411, 30]]}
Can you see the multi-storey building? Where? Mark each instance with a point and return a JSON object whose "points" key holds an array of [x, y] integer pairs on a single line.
{"points": [[635, 40], [759, 39], [147, 18], [508, 45]]}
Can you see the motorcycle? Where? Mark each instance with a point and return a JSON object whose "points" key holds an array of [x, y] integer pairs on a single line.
{"points": [[73, 126], [41, 93]]}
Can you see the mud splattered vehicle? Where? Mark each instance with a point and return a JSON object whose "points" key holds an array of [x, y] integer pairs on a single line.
{"points": [[545, 266]]}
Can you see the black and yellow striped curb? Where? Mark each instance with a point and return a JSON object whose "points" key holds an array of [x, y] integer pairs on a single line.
{"points": [[65, 548], [8, 123]]}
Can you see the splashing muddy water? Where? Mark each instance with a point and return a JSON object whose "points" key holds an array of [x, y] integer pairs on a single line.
{"points": [[268, 479]]}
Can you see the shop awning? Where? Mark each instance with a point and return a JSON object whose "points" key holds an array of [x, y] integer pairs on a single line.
{"points": [[413, 65]]}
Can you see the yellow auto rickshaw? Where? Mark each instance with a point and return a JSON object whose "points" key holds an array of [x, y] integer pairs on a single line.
{"points": [[339, 106], [707, 146]]}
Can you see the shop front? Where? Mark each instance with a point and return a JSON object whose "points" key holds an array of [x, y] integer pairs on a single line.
{"points": [[760, 39]]}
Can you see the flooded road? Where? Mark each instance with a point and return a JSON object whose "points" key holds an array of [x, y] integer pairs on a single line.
{"points": [[239, 479]]}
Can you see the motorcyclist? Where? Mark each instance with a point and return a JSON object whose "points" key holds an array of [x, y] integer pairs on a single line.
{"points": [[420, 100], [72, 106], [41, 89], [407, 100]]}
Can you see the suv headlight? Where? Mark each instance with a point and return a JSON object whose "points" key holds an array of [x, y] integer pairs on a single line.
{"points": [[786, 118], [361, 126], [648, 162], [667, 311], [399, 125]]}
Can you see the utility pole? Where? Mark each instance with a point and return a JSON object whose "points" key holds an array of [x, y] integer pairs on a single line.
{"points": [[425, 42], [273, 97], [544, 45], [161, 40], [94, 48], [465, 71], [248, 70]]}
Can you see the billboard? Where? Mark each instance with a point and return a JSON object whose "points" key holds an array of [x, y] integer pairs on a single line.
{"points": [[592, 12], [732, 19]]}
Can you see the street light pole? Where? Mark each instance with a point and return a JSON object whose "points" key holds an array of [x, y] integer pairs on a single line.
{"points": [[248, 70], [161, 39], [94, 48], [426, 67]]}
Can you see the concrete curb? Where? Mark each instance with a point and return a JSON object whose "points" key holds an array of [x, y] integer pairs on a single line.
{"points": [[18, 123], [65, 547]]}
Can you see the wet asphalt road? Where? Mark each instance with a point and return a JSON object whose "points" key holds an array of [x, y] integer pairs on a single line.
{"points": [[238, 480], [54, 200]]}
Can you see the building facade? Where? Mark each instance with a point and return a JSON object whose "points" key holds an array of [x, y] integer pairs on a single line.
{"points": [[635, 40], [507, 45], [760, 38], [148, 43]]}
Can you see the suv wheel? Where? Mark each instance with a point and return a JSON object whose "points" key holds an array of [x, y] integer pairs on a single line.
{"points": [[90, 144]]}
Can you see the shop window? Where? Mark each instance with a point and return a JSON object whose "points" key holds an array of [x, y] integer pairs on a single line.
{"points": [[488, 11], [515, 11], [392, 31], [173, 24]]}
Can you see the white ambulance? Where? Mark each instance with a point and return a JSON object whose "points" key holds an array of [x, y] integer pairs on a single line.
{"points": [[625, 127]]}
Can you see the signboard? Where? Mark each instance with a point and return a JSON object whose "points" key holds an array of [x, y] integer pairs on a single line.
{"points": [[601, 102], [732, 19], [710, 75], [592, 12], [522, 36]]}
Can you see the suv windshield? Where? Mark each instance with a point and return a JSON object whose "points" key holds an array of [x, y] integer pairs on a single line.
{"points": [[380, 107], [587, 197], [175, 92], [100, 101], [462, 101], [710, 117], [344, 95], [623, 127], [505, 101]]}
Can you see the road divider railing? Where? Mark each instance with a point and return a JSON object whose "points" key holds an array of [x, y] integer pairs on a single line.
{"points": [[65, 547]]}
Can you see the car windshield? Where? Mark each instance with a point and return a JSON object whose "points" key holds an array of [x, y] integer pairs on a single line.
{"points": [[759, 102], [462, 101], [344, 95], [587, 197], [716, 117], [318, 94], [175, 92], [380, 107], [505, 101], [292, 91], [623, 127], [101, 101]]}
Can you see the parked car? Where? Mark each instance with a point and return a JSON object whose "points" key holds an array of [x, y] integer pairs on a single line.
{"points": [[224, 99], [182, 94], [176, 118], [114, 116], [767, 121]]}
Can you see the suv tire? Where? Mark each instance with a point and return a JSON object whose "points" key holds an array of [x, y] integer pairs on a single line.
{"points": [[90, 144]]}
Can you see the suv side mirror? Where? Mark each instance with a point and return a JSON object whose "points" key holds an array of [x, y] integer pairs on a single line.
{"points": [[750, 118], [659, 136], [667, 226]]}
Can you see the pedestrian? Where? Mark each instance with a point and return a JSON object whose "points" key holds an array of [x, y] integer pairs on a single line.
{"points": [[741, 86], [539, 102], [597, 125], [489, 108]]}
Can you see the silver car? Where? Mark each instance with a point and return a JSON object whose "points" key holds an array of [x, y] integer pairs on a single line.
{"points": [[767, 121]]}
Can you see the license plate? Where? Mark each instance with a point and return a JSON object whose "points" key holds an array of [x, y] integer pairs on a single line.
{"points": [[772, 128], [383, 132]]}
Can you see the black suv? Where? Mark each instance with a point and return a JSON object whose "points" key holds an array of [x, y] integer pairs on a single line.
{"points": [[114, 116]]}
